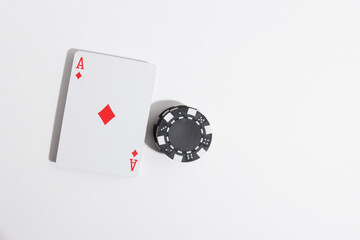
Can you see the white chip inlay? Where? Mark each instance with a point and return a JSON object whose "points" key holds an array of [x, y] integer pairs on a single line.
{"points": [[208, 129], [201, 152], [161, 140], [168, 117], [191, 111], [178, 158]]}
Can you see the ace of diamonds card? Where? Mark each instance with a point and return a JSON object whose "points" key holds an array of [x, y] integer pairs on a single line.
{"points": [[106, 113]]}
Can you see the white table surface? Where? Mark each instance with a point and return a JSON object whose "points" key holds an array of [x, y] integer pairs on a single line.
{"points": [[278, 80]]}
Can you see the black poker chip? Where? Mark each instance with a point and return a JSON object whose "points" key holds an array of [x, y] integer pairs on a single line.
{"points": [[183, 133]]}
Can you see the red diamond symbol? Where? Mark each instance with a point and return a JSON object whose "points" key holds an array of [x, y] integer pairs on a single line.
{"points": [[78, 75], [134, 153], [106, 114]]}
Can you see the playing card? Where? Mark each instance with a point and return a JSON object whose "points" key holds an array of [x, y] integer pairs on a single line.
{"points": [[106, 113]]}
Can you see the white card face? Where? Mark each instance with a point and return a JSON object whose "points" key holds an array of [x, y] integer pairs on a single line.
{"points": [[106, 113]]}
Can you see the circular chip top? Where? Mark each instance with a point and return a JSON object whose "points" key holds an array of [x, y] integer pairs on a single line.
{"points": [[182, 133]]}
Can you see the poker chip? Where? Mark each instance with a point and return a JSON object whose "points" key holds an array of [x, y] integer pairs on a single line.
{"points": [[183, 133]]}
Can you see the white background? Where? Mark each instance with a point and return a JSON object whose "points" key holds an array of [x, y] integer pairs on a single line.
{"points": [[278, 80]]}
